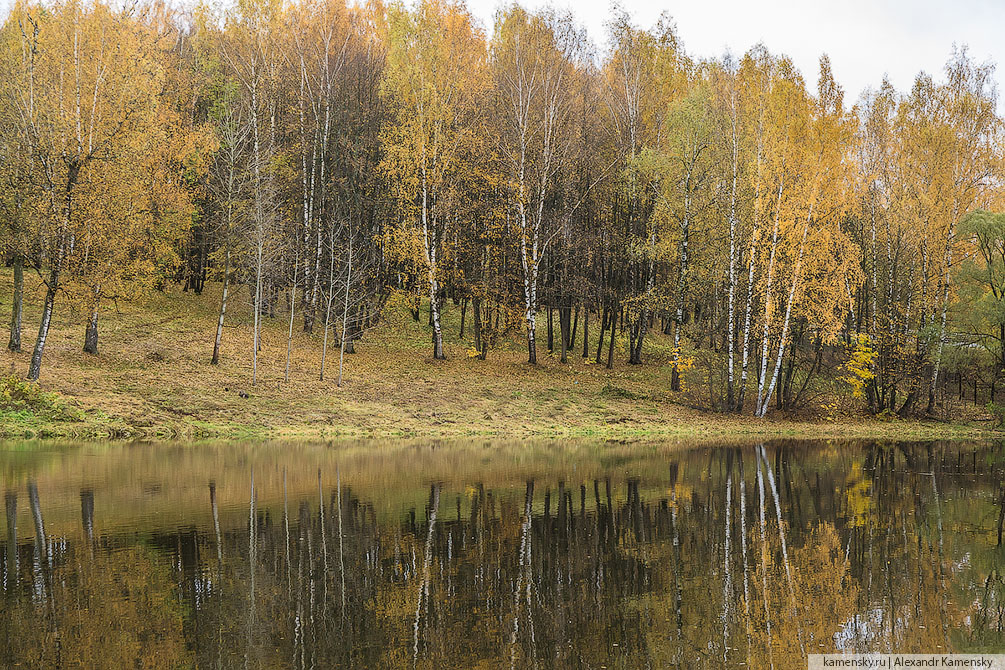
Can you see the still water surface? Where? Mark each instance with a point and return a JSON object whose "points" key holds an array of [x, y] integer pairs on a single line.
{"points": [[384, 555]]}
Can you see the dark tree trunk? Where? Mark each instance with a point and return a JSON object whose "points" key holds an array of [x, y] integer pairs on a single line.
{"points": [[87, 514], [575, 326], [551, 332], [908, 407], [564, 316], [415, 309], [586, 331], [531, 344], [10, 505], [476, 308], [14, 344], [91, 333], [604, 318], [484, 350], [610, 344], [636, 334], [1001, 349], [464, 311]]}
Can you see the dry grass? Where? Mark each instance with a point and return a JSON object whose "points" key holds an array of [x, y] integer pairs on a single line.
{"points": [[153, 377]]}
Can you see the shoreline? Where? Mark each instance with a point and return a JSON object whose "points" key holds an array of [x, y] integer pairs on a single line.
{"points": [[97, 426]]}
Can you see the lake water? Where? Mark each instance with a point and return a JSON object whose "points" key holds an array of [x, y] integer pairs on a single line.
{"points": [[487, 555]]}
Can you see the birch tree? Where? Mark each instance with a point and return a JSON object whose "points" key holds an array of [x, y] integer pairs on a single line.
{"points": [[249, 50], [228, 187], [87, 100], [534, 58], [434, 81], [810, 142]]}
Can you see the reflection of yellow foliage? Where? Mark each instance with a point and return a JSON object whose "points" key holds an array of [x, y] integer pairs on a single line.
{"points": [[858, 495], [824, 597], [683, 492], [127, 595]]}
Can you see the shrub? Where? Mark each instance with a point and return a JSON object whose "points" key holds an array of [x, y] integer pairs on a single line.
{"points": [[18, 395], [609, 390], [997, 411]]}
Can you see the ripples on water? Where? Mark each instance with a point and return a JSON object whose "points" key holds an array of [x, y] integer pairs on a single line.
{"points": [[581, 556]]}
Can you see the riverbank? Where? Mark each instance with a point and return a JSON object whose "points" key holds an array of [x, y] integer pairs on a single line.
{"points": [[152, 379]]}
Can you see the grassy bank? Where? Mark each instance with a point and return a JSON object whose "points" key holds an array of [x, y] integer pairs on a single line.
{"points": [[152, 378]]}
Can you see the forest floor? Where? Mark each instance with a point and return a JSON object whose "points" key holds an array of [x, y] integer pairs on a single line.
{"points": [[152, 379]]}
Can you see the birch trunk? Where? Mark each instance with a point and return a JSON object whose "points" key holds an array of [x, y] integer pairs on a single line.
{"points": [[91, 332], [259, 222], [785, 550], [10, 574], [752, 264], [223, 307], [743, 552], [35, 368], [681, 291], [635, 355], [426, 573], [52, 285], [258, 315], [14, 344], [429, 245], [764, 566], [727, 585], [762, 374], [763, 406], [307, 192], [942, 324], [730, 308], [523, 575]]}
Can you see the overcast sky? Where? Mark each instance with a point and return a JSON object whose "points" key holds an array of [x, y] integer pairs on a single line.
{"points": [[865, 39]]}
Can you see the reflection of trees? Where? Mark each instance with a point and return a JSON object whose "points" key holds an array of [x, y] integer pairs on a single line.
{"points": [[10, 556], [111, 608], [879, 548]]}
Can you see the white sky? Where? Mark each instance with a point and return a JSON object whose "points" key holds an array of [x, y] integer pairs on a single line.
{"points": [[865, 39]]}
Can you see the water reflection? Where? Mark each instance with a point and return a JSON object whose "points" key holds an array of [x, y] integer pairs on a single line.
{"points": [[423, 558]]}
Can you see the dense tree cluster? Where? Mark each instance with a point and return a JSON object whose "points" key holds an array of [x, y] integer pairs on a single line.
{"points": [[339, 159]]}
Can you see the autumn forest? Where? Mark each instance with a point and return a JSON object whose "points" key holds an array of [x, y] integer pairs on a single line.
{"points": [[762, 236]]}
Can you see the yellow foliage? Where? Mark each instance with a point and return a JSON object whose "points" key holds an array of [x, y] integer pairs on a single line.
{"points": [[859, 366]]}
